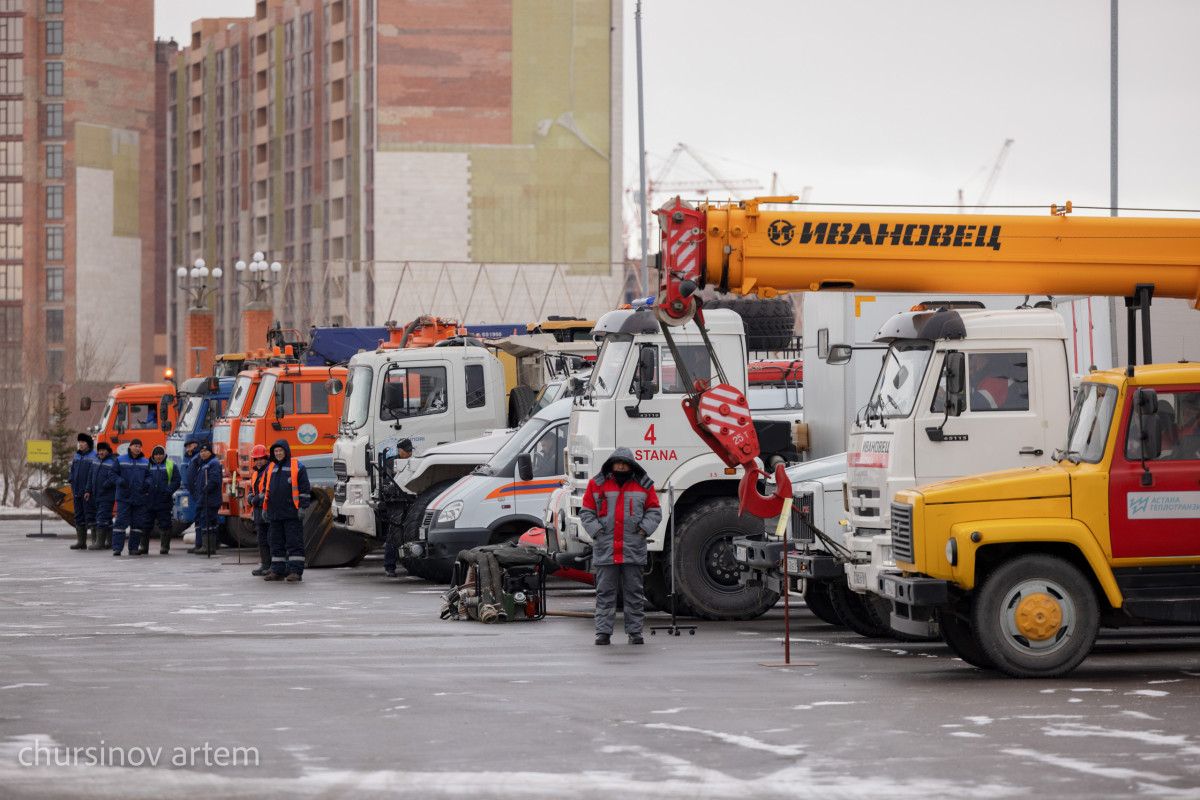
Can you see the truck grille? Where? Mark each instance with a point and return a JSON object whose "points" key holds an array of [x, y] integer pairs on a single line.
{"points": [[902, 536], [339, 469], [427, 523]]}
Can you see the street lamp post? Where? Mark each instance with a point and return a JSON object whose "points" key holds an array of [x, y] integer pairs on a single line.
{"points": [[199, 330], [257, 314]]}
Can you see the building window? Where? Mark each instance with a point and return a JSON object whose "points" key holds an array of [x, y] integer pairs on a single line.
{"points": [[54, 7], [12, 35], [10, 325], [54, 78], [10, 282], [11, 196], [54, 285], [54, 366], [54, 161], [12, 75], [12, 117], [11, 157], [54, 326], [54, 244], [54, 202], [54, 38], [54, 120]]}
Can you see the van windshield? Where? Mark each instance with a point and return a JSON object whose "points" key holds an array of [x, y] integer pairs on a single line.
{"points": [[501, 462]]}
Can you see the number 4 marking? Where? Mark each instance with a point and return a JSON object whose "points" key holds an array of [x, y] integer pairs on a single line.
{"points": [[649, 437]]}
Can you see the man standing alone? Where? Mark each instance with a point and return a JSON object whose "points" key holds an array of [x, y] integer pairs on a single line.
{"points": [[620, 509], [285, 499]]}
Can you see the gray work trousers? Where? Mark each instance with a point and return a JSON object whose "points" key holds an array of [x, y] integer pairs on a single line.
{"points": [[627, 578]]}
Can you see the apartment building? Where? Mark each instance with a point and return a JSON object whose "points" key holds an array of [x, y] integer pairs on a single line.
{"points": [[379, 149]]}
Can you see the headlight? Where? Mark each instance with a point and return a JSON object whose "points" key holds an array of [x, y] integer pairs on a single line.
{"points": [[355, 494], [451, 512], [952, 552]]}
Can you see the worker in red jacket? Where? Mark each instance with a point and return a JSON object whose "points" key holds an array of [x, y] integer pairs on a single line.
{"points": [[620, 509]]}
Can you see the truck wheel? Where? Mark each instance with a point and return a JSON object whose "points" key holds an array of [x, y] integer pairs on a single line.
{"points": [[241, 532], [769, 323], [657, 588], [1036, 617], [706, 575], [856, 612], [958, 636], [816, 597], [420, 567]]}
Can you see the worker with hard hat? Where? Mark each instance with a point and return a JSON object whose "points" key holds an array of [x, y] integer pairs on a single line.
{"points": [[258, 490]]}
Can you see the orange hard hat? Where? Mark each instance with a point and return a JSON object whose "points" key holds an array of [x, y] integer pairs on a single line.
{"points": [[259, 451]]}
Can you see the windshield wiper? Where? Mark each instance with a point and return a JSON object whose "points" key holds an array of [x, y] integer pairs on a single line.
{"points": [[1070, 455]]}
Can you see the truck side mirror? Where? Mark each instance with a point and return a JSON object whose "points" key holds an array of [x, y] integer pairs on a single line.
{"points": [[85, 404], [955, 367], [839, 354], [333, 386], [647, 363], [524, 467], [1146, 403], [393, 397], [164, 406]]}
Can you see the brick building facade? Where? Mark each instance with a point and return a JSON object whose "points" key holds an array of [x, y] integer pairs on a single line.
{"points": [[365, 144]]}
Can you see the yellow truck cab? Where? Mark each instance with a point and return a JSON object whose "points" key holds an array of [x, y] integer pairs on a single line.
{"points": [[1020, 568]]}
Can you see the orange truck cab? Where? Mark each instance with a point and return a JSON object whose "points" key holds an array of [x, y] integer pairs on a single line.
{"points": [[289, 402], [226, 431], [145, 411]]}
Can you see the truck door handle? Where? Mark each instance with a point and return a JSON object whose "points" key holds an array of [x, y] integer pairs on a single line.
{"points": [[1030, 451]]}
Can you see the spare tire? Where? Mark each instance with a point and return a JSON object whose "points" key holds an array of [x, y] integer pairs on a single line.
{"points": [[769, 323]]}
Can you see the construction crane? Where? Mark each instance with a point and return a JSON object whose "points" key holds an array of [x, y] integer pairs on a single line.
{"points": [[991, 181]]}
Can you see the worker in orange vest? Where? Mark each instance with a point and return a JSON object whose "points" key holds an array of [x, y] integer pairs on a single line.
{"points": [[258, 494], [284, 502]]}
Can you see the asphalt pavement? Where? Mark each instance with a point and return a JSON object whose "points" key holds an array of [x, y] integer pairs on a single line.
{"points": [[183, 676]]}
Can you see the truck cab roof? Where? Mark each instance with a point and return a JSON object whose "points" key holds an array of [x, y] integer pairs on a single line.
{"points": [[955, 323], [643, 321]]}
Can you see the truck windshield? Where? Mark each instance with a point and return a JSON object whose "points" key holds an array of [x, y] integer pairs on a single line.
{"points": [[502, 463], [191, 413], [263, 397], [358, 397], [241, 390], [108, 410], [609, 365], [1091, 418], [900, 379]]}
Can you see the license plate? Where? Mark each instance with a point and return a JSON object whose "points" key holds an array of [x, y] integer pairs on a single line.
{"points": [[741, 553], [793, 565]]}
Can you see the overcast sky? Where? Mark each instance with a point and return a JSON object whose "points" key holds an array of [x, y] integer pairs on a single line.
{"points": [[882, 101]]}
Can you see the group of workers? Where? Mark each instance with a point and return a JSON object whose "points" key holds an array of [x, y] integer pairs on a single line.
{"points": [[131, 497]]}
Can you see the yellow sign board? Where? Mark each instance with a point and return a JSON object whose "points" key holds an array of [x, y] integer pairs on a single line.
{"points": [[38, 451]]}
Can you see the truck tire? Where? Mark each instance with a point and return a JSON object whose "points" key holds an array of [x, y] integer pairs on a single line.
{"points": [[706, 576], [769, 323], [241, 532], [856, 611], [1036, 617], [958, 636], [657, 588], [816, 597], [421, 567]]}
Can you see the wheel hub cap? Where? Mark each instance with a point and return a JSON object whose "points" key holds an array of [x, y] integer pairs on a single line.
{"points": [[1038, 617]]}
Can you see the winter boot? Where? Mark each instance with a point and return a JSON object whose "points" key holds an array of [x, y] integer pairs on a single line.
{"points": [[97, 540], [264, 555], [144, 544], [81, 542], [164, 541], [107, 538]]}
